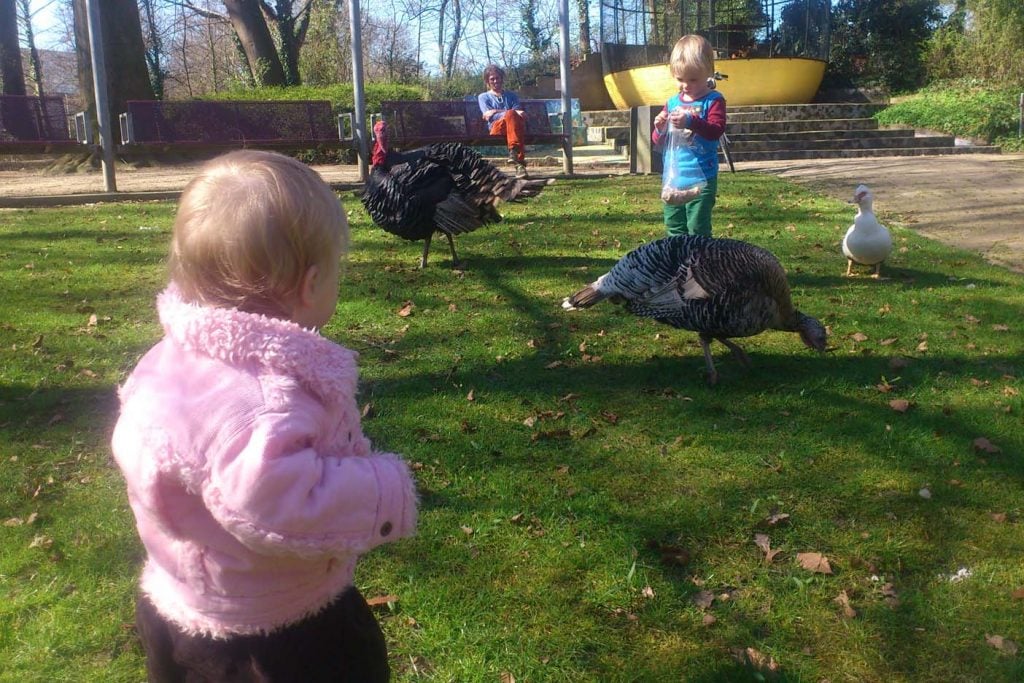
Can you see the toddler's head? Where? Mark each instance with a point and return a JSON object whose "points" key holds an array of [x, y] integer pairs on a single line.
{"points": [[692, 58], [253, 231]]}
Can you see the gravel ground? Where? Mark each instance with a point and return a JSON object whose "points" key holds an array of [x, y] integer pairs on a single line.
{"points": [[974, 201]]}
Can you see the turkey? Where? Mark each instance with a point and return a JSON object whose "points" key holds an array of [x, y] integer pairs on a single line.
{"points": [[719, 288], [867, 242], [444, 187]]}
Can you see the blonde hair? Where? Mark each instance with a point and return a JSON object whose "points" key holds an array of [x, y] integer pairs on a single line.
{"points": [[692, 53], [248, 228]]}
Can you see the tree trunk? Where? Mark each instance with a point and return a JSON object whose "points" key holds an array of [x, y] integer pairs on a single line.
{"points": [[124, 56], [251, 27], [11, 73], [583, 10]]}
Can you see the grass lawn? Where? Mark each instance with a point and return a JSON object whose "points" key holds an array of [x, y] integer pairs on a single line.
{"points": [[590, 508]]}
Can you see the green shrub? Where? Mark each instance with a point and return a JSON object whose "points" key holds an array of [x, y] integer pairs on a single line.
{"points": [[965, 108]]}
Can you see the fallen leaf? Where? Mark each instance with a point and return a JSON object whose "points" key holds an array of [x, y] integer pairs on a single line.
{"points": [[922, 347], [756, 660], [41, 541], [381, 600], [469, 396], [999, 517], [762, 541], [367, 411], [530, 421], [468, 530], [971, 319], [506, 677], [1001, 328], [1018, 594], [983, 444], [553, 365], [647, 592], [843, 600], [671, 555], [703, 599], [898, 363], [708, 619], [892, 598], [406, 310], [900, 405], [1004, 645], [814, 562], [925, 493], [859, 337], [777, 519]]}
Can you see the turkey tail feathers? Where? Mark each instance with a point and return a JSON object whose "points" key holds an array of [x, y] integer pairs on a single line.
{"points": [[530, 188], [585, 298]]}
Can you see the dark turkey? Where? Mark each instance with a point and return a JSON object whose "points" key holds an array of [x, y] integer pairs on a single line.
{"points": [[719, 288], [442, 188]]}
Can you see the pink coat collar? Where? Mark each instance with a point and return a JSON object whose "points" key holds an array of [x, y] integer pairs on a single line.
{"points": [[278, 346]]}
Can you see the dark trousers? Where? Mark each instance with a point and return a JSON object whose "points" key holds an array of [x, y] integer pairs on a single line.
{"points": [[342, 643]]}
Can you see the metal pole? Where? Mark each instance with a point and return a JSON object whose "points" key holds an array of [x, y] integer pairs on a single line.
{"points": [[563, 20], [359, 125], [99, 80], [1020, 120]]}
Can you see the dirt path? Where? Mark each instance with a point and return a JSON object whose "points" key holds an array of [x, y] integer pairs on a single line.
{"points": [[975, 201]]}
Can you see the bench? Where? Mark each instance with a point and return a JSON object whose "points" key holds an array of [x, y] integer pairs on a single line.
{"points": [[31, 124], [412, 123], [199, 124]]}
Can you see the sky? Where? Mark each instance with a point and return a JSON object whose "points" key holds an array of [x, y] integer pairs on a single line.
{"points": [[45, 24]]}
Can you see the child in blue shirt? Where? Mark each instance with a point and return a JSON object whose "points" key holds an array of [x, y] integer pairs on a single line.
{"points": [[698, 112]]}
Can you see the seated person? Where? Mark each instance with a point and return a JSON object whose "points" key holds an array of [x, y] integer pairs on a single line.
{"points": [[501, 111]]}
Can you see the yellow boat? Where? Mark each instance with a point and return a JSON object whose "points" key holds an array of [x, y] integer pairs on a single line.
{"points": [[768, 80]]}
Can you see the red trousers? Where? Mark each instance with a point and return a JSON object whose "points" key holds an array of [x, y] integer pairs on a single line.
{"points": [[513, 126]]}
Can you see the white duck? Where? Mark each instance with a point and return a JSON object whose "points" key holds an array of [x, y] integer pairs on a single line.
{"points": [[867, 242]]}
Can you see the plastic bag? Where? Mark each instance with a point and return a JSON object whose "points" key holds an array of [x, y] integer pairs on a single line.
{"points": [[683, 178]]}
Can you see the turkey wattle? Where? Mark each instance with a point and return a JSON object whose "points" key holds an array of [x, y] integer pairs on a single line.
{"points": [[442, 188], [719, 288]]}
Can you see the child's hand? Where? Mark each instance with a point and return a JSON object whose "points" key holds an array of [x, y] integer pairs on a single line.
{"points": [[680, 118], [660, 120]]}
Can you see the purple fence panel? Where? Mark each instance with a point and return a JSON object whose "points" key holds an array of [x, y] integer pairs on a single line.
{"points": [[33, 119], [232, 123]]}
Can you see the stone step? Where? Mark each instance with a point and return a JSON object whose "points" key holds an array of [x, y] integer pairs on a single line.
{"points": [[839, 134], [798, 154], [777, 127], [800, 112], [864, 142]]}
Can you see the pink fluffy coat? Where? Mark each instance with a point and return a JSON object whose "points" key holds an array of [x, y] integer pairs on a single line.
{"points": [[253, 487]]}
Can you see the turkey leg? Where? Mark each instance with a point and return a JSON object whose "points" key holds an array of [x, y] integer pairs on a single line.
{"points": [[705, 344], [426, 250], [455, 258], [737, 352]]}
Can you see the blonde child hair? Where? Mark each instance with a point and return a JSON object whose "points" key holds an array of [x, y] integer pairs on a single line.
{"points": [[248, 227], [692, 54]]}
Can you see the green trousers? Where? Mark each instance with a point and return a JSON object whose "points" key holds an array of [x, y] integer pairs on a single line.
{"points": [[693, 217]]}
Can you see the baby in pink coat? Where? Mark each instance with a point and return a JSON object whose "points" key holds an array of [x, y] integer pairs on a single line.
{"points": [[253, 486]]}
